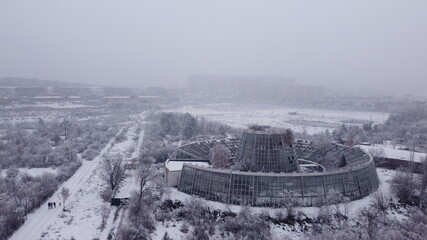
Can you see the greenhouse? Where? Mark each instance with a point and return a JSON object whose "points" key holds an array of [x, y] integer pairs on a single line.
{"points": [[272, 172]]}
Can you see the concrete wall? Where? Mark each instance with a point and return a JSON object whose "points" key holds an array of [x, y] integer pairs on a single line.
{"points": [[172, 177]]}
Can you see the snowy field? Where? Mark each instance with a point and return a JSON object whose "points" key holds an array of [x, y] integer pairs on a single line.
{"points": [[89, 217], [54, 105], [298, 119]]}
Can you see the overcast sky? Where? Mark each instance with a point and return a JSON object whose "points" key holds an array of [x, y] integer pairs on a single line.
{"points": [[380, 43]]}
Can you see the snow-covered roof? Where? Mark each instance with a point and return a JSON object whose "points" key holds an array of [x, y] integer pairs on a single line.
{"points": [[177, 165], [394, 153]]}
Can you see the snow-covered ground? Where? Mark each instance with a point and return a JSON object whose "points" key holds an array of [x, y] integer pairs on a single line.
{"points": [[89, 217], [34, 172], [299, 119], [172, 228], [390, 152], [55, 105], [42, 222]]}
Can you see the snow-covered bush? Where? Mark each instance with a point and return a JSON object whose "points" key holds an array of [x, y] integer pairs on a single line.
{"points": [[21, 194], [65, 171], [407, 187], [247, 225]]}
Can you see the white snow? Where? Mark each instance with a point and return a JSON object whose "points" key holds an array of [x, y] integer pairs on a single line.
{"points": [[84, 220], [117, 97], [130, 182], [34, 172], [56, 105], [39, 223], [177, 165], [299, 119], [390, 152], [172, 228], [128, 185]]}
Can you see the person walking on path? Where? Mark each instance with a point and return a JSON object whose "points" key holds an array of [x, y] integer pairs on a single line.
{"points": [[48, 205], [54, 204]]}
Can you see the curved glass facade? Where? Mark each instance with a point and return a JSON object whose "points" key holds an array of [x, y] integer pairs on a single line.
{"points": [[269, 150], [278, 189]]}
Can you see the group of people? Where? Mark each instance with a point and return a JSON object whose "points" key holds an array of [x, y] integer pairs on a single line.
{"points": [[51, 205]]}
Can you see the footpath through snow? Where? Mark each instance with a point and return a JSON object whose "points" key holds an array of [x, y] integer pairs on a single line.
{"points": [[87, 210]]}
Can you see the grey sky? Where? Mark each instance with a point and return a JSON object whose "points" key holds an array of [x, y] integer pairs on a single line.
{"points": [[381, 43]]}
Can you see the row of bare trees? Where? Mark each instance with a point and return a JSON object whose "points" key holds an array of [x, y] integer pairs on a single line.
{"points": [[55, 144], [21, 193], [44, 144], [168, 129]]}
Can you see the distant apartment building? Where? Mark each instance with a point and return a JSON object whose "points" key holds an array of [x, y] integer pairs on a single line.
{"points": [[72, 91], [117, 91], [302, 93], [253, 87], [30, 91]]}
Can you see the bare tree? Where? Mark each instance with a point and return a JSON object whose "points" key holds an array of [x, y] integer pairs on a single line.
{"points": [[67, 151], [112, 170], [403, 184], [65, 193], [56, 138], [369, 220], [219, 156], [66, 127], [25, 195], [148, 179], [288, 203], [381, 203]]}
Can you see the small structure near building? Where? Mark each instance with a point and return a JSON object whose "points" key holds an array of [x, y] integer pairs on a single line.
{"points": [[386, 156], [173, 168]]}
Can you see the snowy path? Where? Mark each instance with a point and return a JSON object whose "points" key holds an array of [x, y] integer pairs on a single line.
{"points": [[122, 212], [38, 222]]}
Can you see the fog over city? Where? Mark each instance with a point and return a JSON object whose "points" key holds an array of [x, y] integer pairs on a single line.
{"points": [[333, 44], [225, 119]]}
